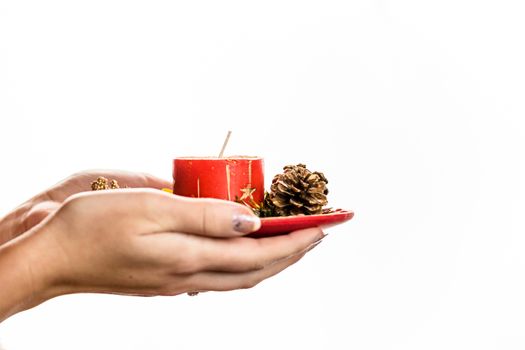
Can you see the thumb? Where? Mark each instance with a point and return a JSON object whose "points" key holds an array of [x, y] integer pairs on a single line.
{"points": [[207, 217]]}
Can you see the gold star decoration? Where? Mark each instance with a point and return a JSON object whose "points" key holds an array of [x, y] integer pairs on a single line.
{"points": [[247, 192], [247, 196]]}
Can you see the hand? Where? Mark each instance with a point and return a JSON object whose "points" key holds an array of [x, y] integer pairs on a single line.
{"points": [[147, 242], [32, 212]]}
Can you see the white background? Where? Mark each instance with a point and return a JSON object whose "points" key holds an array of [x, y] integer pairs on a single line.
{"points": [[413, 109]]}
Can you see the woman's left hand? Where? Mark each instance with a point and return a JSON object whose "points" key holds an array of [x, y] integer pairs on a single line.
{"points": [[36, 209]]}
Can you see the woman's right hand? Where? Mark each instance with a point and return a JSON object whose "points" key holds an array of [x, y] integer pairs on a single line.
{"points": [[148, 242]]}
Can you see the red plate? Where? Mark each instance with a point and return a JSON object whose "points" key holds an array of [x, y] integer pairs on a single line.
{"points": [[286, 224]]}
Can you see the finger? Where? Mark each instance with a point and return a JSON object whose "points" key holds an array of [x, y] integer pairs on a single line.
{"points": [[144, 180], [81, 182], [250, 254], [38, 213], [225, 281], [160, 212], [205, 217], [132, 179], [241, 254]]}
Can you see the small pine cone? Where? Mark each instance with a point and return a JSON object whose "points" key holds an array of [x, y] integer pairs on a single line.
{"points": [[113, 184], [297, 191], [101, 183]]}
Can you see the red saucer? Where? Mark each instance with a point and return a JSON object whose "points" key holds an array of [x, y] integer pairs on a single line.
{"points": [[281, 225]]}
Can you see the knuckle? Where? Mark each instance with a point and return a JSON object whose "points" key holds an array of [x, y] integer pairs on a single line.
{"points": [[78, 202], [250, 264], [71, 202], [148, 203], [185, 266], [143, 177], [258, 266], [187, 263], [34, 217], [250, 283], [246, 259], [213, 217], [145, 201], [204, 219]]}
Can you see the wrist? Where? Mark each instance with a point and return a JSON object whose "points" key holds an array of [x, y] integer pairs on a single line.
{"points": [[29, 273]]}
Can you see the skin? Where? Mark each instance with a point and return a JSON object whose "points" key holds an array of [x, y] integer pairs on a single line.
{"points": [[134, 241]]}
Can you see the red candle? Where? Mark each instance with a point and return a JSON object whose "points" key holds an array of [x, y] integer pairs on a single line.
{"points": [[228, 178]]}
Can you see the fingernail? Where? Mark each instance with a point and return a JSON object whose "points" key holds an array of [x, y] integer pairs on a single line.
{"points": [[246, 223], [313, 245], [323, 235], [317, 242]]}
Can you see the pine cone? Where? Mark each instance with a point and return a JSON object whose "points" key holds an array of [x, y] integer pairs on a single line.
{"points": [[101, 183], [266, 209], [297, 191]]}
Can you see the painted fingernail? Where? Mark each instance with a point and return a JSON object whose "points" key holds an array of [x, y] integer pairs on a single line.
{"points": [[245, 223]]}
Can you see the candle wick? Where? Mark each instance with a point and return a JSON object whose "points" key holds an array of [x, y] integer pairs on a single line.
{"points": [[225, 144]]}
